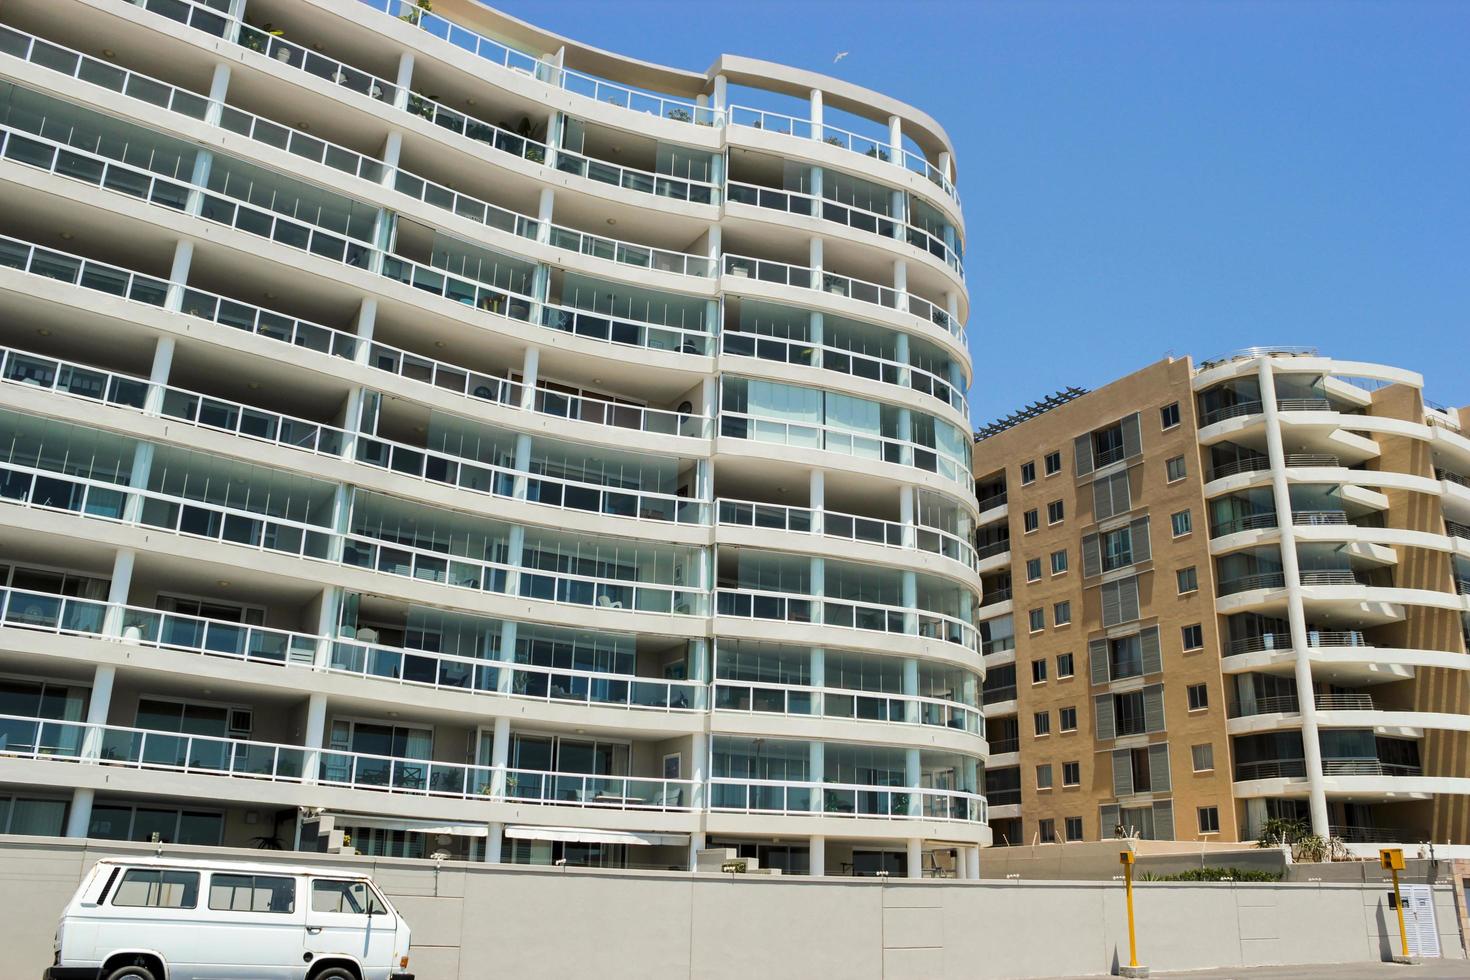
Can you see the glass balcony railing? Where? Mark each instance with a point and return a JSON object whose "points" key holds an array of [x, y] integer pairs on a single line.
{"points": [[63, 161], [630, 178], [800, 608], [805, 435], [848, 527], [628, 253], [142, 626], [626, 331], [1267, 642], [599, 792], [832, 702], [794, 797], [803, 277], [843, 361]]}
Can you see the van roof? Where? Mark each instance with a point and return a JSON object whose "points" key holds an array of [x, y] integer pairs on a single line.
{"points": [[253, 867]]}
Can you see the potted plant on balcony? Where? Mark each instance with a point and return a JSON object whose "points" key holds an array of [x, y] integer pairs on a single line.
{"points": [[679, 114], [415, 12]]}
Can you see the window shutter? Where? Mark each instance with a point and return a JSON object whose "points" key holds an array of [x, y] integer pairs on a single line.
{"points": [[1122, 772], [1082, 452], [1102, 500], [1153, 708], [1091, 556], [1132, 436], [1110, 616], [1164, 820], [1108, 817], [1097, 655], [1158, 768], [1102, 713], [1138, 532], [1128, 599], [1122, 492], [1148, 641]]}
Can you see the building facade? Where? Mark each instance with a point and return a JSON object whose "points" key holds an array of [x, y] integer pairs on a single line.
{"points": [[432, 435], [1171, 561]]}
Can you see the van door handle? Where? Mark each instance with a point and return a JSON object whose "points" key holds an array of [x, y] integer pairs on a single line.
{"points": [[313, 929]]}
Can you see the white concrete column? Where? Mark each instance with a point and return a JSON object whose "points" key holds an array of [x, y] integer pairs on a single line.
{"points": [[815, 324], [328, 618], [504, 676], [219, 86], [906, 516], [352, 421], [900, 284], [367, 319], [79, 816], [916, 857], [895, 140], [499, 754], [523, 470], [530, 377], [118, 590], [696, 844], [817, 500], [392, 153], [910, 602], [1295, 610], [199, 181], [138, 476], [99, 701], [315, 739], [178, 275], [553, 139], [817, 668], [515, 550], [163, 360], [494, 842], [901, 355], [814, 252], [816, 769], [945, 165], [817, 856], [404, 80], [911, 690], [906, 436], [99, 704], [818, 574], [236, 12], [898, 210], [713, 248], [545, 210], [972, 863], [700, 773], [816, 114], [720, 96]]}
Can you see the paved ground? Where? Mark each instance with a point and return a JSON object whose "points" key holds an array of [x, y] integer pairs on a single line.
{"points": [[1429, 970]]}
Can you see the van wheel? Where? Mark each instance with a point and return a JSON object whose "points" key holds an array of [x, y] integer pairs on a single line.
{"points": [[131, 973], [335, 973]]}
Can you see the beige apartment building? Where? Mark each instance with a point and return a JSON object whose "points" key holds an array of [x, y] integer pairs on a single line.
{"points": [[1169, 560]]}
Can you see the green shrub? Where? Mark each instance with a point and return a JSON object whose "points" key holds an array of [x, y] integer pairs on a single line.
{"points": [[1216, 874]]}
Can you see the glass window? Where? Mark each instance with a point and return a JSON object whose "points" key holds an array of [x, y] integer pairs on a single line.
{"points": [[1059, 561], [1187, 579], [1053, 463], [1193, 636], [1033, 569], [1125, 657], [1042, 721], [1117, 548], [1031, 520], [1067, 719], [157, 889], [1182, 523], [1128, 713], [347, 897], [1038, 671], [1169, 416], [1047, 830], [1028, 472], [252, 893], [1074, 828], [1055, 512], [1199, 697], [1043, 776], [1209, 820], [1037, 618], [1061, 613], [1204, 757], [1175, 468], [1065, 666], [1071, 774]]}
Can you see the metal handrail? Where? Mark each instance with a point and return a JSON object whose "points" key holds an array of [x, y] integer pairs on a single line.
{"points": [[734, 512], [1319, 518], [774, 796], [1246, 583], [1229, 412], [1304, 405], [1267, 642], [800, 607], [1451, 476], [1330, 576], [1257, 464], [1367, 767], [690, 189], [1248, 522], [764, 697], [1344, 702]]}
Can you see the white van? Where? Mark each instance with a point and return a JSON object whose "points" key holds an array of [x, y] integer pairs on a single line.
{"points": [[163, 919]]}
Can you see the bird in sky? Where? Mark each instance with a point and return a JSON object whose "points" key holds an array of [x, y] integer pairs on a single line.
{"points": [[840, 56]]}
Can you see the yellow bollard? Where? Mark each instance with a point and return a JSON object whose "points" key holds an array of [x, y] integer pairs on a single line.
{"points": [[1392, 860], [1125, 858]]}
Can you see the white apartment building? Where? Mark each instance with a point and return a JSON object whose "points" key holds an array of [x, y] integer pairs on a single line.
{"points": [[430, 435]]}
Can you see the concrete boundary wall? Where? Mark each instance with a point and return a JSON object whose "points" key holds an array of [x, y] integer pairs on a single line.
{"points": [[475, 922]]}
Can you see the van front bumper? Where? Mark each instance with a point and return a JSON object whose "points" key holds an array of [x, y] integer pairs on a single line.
{"points": [[400, 976], [71, 973]]}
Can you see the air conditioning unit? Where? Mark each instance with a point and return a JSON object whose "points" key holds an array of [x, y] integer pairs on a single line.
{"points": [[241, 721]]}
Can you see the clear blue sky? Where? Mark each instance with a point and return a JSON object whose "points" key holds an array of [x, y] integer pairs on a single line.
{"points": [[1145, 177]]}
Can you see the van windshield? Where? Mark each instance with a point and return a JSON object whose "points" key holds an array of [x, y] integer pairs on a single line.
{"points": [[346, 897]]}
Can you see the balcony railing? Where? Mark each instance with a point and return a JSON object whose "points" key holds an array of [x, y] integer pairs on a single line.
{"points": [[817, 436], [1258, 464], [360, 656], [1003, 797], [626, 331], [1248, 583], [1282, 641], [992, 549], [689, 189], [1275, 769], [637, 256], [997, 695], [1455, 529], [793, 607], [993, 501], [1367, 767], [804, 277], [1319, 518], [1332, 576], [138, 748], [1230, 412], [848, 527], [1344, 702], [1462, 585], [761, 697], [1282, 704], [1248, 522], [1304, 405], [1375, 835], [1001, 746], [1452, 477], [991, 597], [770, 796]]}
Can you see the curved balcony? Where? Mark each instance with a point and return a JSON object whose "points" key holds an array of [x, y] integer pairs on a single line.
{"points": [[1268, 642], [415, 462], [863, 617], [1252, 583], [846, 527], [794, 797], [1262, 464], [859, 290], [350, 656], [139, 748], [800, 700]]}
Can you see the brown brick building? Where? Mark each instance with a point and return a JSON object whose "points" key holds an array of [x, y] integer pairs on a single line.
{"points": [[1151, 613]]}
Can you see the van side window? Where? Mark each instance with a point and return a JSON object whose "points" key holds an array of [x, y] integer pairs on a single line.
{"points": [[141, 888], [252, 893], [349, 897]]}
